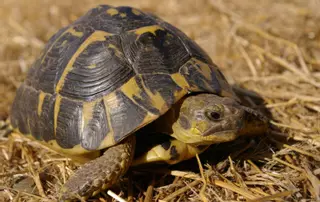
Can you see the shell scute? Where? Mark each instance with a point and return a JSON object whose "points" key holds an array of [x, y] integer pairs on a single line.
{"points": [[107, 74]]}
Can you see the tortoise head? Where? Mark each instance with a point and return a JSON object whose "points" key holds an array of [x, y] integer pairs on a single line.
{"points": [[206, 119]]}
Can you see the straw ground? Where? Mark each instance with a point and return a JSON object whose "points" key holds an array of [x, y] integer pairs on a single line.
{"points": [[267, 46]]}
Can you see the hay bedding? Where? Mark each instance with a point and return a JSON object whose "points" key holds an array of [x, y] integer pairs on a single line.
{"points": [[268, 46]]}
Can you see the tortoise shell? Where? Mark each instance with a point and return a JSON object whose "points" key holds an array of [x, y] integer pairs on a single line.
{"points": [[107, 74]]}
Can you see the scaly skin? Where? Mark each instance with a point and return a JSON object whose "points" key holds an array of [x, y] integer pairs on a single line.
{"points": [[100, 173]]}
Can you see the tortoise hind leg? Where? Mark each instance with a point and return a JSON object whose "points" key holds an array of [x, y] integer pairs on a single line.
{"points": [[100, 173], [171, 152]]}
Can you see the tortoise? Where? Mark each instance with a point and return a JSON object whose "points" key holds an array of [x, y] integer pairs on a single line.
{"points": [[113, 71]]}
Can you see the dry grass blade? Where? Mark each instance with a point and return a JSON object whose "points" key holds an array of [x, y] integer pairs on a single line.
{"points": [[282, 104], [204, 180], [315, 182], [251, 27], [149, 193], [35, 174], [180, 191], [273, 197], [287, 164], [286, 65], [254, 166], [44, 199], [302, 152], [249, 61], [279, 60], [268, 49], [289, 126], [115, 196], [235, 189], [289, 95], [183, 174]]}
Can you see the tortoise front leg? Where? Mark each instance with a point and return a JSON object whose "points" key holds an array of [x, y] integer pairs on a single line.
{"points": [[100, 173], [171, 152]]}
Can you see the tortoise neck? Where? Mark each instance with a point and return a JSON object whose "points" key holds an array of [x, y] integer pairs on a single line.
{"points": [[254, 123]]}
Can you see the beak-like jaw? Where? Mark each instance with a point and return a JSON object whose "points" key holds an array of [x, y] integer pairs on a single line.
{"points": [[213, 138], [227, 130], [219, 137]]}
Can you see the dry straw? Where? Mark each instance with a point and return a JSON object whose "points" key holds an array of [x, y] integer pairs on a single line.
{"points": [[270, 47]]}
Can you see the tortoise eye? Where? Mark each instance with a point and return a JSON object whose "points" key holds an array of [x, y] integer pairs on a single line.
{"points": [[213, 115]]}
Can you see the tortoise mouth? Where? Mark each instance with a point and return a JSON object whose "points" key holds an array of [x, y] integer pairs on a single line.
{"points": [[218, 137]]}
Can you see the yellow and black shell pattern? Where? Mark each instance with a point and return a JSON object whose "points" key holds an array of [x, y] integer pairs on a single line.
{"points": [[107, 74]]}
